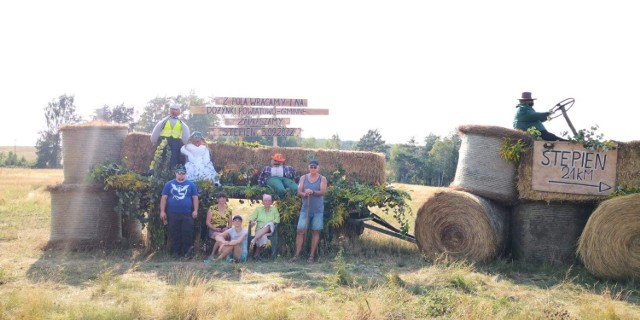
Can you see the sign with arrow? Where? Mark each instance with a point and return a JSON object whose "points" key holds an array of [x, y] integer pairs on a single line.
{"points": [[565, 167]]}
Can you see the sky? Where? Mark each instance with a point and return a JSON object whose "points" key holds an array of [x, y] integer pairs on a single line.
{"points": [[405, 68]]}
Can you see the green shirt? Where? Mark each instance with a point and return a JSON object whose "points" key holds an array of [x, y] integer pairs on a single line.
{"points": [[261, 217]]}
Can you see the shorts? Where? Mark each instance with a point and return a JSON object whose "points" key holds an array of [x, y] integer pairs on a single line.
{"points": [[317, 221], [243, 257]]}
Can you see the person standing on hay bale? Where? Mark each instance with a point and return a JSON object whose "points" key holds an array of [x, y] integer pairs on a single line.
{"points": [[311, 189], [526, 117], [175, 131], [179, 208], [278, 176], [265, 219], [199, 165]]}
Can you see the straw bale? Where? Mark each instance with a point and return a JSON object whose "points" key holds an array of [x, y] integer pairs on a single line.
{"points": [[481, 170], [461, 225], [83, 212], [547, 232], [609, 246], [138, 151], [628, 166], [89, 144], [365, 167]]}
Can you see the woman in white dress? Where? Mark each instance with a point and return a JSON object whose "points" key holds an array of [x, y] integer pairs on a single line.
{"points": [[199, 165]]}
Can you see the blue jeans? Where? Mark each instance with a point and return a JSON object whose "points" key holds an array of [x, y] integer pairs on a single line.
{"points": [[317, 220]]}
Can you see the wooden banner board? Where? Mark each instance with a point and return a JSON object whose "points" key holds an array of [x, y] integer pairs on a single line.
{"points": [[570, 168], [257, 122], [255, 132], [257, 102], [257, 111]]}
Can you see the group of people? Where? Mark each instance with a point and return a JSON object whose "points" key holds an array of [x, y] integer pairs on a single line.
{"points": [[179, 209]]}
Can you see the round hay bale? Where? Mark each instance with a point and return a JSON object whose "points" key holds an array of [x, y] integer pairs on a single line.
{"points": [[83, 212], [481, 170], [86, 145], [609, 246], [547, 232], [461, 225]]}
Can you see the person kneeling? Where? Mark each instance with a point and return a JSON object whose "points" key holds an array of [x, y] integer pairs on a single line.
{"points": [[234, 250]]}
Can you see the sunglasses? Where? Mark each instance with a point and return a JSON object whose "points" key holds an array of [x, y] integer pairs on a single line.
{"points": [[237, 220], [313, 167], [181, 172]]}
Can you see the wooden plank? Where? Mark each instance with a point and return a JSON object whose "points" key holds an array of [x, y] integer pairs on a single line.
{"points": [[257, 102], [257, 111], [255, 132], [257, 122], [570, 168]]}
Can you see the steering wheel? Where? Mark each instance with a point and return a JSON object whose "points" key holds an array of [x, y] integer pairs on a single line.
{"points": [[566, 103]]}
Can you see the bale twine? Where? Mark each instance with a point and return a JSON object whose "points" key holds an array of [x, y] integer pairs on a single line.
{"points": [[83, 212], [609, 246], [461, 225], [481, 170], [547, 232], [89, 144]]}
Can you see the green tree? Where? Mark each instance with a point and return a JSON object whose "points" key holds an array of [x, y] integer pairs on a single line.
{"points": [[372, 141], [48, 146], [407, 163], [443, 159], [333, 143], [117, 114]]}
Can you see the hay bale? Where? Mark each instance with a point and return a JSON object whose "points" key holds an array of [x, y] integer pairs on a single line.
{"points": [[83, 212], [547, 232], [138, 151], [481, 170], [89, 144], [628, 166], [609, 246], [461, 225]]}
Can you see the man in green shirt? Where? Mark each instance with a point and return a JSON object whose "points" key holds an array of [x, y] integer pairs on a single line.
{"points": [[264, 219]]}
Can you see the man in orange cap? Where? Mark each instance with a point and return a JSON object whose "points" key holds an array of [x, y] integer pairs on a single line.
{"points": [[278, 176]]}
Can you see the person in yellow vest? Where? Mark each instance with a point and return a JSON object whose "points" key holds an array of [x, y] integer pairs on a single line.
{"points": [[175, 131]]}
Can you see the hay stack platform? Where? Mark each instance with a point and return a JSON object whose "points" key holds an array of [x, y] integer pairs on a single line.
{"points": [[540, 206]]}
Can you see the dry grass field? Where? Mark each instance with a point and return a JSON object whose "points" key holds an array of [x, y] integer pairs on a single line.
{"points": [[374, 277]]}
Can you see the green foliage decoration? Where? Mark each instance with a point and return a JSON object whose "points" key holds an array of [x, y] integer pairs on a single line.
{"points": [[591, 140], [139, 197], [623, 191], [511, 150]]}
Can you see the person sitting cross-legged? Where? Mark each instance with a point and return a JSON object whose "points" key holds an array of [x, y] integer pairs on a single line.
{"points": [[235, 249], [264, 218]]}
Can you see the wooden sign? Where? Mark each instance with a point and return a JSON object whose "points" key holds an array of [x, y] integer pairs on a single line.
{"points": [[257, 111], [257, 122], [264, 102], [254, 132], [570, 168]]}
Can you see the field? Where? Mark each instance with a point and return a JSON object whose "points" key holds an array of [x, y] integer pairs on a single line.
{"points": [[29, 153], [374, 277]]}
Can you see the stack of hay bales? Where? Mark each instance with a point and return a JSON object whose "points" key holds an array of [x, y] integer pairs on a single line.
{"points": [[365, 167], [470, 219], [609, 246], [82, 213]]}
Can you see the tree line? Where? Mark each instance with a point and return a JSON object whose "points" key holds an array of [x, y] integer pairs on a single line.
{"points": [[432, 162]]}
